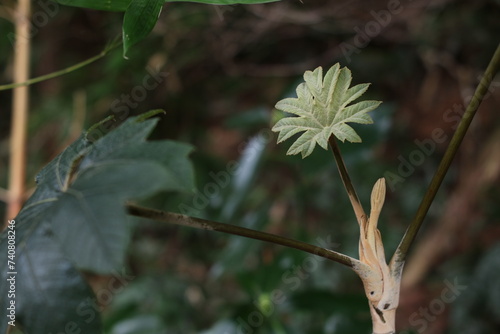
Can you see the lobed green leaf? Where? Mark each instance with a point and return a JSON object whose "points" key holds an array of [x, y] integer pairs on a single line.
{"points": [[76, 219]]}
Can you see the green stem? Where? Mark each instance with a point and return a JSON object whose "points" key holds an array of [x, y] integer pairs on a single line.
{"points": [[455, 142], [149, 114], [349, 187], [67, 70], [178, 219]]}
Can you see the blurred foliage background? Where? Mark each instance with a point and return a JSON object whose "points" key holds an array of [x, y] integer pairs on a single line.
{"points": [[218, 73]]}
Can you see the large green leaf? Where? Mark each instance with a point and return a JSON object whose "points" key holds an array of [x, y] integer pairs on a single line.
{"points": [[323, 109], [89, 215], [76, 219], [82, 192]]}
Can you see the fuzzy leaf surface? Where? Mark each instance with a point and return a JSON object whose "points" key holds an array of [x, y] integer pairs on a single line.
{"points": [[323, 108]]}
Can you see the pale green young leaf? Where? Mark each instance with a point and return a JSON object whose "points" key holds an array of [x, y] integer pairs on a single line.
{"points": [[323, 107]]}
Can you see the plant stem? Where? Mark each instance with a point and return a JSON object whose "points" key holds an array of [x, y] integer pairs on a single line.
{"points": [[447, 159], [349, 187], [17, 164], [66, 70], [179, 219]]}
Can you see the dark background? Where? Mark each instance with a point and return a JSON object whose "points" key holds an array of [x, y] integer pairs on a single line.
{"points": [[222, 69]]}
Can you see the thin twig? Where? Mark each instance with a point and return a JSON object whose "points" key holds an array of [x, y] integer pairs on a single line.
{"points": [[178, 219], [445, 163], [67, 70], [17, 163], [480, 173], [349, 187]]}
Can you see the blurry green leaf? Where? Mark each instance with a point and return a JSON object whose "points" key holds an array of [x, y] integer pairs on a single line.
{"points": [[89, 214], [140, 18], [76, 219], [322, 107], [49, 291], [241, 180], [89, 217], [82, 192], [141, 324], [239, 185], [128, 142]]}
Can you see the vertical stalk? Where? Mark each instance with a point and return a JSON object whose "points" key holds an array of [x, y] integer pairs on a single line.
{"points": [[349, 187], [19, 109], [456, 140]]}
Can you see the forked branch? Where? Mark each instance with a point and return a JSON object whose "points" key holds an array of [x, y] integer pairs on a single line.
{"points": [[456, 140]]}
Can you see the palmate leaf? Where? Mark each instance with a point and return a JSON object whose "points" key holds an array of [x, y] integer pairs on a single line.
{"points": [[323, 107], [82, 192], [88, 185], [76, 219]]}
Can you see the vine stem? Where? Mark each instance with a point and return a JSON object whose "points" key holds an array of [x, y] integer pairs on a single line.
{"points": [[349, 187], [66, 70], [17, 162], [183, 220], [456, 140]]}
